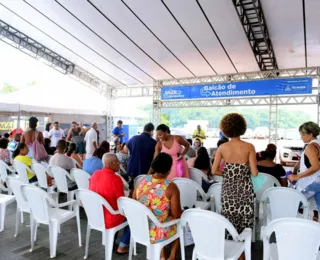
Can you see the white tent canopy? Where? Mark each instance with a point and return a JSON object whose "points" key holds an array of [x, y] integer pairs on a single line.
{"points": [[131, 42]]}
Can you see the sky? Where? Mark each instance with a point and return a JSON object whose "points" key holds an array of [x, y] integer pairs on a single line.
{"points": [[19, 70]]}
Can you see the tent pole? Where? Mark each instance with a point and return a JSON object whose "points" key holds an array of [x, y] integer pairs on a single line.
{"points": [[19, 118]]}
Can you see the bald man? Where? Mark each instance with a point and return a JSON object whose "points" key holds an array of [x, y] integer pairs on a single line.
{"points": [[107, 184], [91, 140]]}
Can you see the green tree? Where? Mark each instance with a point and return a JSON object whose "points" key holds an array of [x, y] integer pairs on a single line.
{"points": [[7, 88]]}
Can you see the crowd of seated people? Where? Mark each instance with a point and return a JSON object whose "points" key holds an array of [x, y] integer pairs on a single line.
{"points": [[165, 157]]}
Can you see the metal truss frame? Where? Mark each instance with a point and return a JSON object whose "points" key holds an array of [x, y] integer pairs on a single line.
{"points": [[24, 43], [156, 104], [251, 16]]}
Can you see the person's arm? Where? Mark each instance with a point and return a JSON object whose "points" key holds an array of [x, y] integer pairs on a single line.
{"points": [[95, 141], [50, 134], [69, 135], [283, 179], [173, 194], [216, 163], [296, 167], [185, 144], [253, 161], [40, 137], [77, 158], [203, 135], [312, 153]]}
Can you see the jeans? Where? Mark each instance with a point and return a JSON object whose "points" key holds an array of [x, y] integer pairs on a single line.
{"points": [[125, 239], [313, 190]]}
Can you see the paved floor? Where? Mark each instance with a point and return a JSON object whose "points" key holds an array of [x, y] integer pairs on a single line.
{"points": [[12, 248]]}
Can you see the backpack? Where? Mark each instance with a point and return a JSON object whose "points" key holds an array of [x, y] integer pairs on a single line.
{"points": [[38, 150]]}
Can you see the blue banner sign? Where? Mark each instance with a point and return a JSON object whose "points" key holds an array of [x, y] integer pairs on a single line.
{"points": [[294, 86]]}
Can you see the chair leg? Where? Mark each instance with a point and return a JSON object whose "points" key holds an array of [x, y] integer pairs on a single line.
{"points": [[182, 249], [78, 225], [194, 255], [109, 237], [135, 249], [132, 243], [33, 228], [87, 242], [22, 220], [2, 216], [69, 197], [53, 235], [17, 222], [155, 252]]}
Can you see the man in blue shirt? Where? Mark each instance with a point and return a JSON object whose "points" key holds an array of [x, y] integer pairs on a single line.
{"points": [[118, 131], [141, 149]]}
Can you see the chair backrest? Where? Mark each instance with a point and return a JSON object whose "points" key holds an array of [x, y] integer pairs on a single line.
{"points": [[284, 202], [60, 178], [189, 190], [125, 183], [93, 205], [296, 238], [76, 164], [15, 185], [81, 177], [139, 179], [37, 201], [137, 216], [270, 182], [215, 191], [21, 169], [3, 170], [197, 175], [208, 232], [40, 172]]}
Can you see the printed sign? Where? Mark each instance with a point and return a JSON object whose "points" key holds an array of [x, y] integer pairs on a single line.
{"points": [[294, 86]]}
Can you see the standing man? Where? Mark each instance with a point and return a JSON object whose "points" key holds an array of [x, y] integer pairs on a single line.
{"points": [[76, 135], [118, 131], [55, 134], [91, 140], [141, 149], [199, 133]]}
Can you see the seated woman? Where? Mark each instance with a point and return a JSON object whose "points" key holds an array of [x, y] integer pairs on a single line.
{"points": [[266, 164], [94, 163], [162, 197], [202, 163], [196, 144], [72, 154], [4, 152], [105, 145], [20, 155], [122, 157]]}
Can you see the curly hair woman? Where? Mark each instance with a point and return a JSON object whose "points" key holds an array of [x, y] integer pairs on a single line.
{"points": [[240, 163]]}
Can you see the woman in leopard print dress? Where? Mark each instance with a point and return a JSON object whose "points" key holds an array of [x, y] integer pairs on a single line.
{"points": [[240, 163]]}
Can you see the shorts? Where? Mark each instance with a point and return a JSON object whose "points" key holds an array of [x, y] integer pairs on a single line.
{"points": [[81, 148]]}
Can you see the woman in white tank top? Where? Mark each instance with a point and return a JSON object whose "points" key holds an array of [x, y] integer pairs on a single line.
{"points": [[308, 179]]}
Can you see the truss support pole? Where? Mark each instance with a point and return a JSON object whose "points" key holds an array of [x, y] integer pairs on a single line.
{"points": [[109, 113], [273, 120], [318, 98], [156, 103]]}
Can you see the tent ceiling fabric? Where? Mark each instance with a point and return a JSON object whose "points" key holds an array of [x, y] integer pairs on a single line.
{"points": [[132, 43]]}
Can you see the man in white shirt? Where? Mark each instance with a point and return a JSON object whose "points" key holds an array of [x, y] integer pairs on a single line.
{"points": [[55, 134], [91, 140]]}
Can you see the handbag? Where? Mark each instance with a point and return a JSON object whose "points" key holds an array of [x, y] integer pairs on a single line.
{"points": [[180, 168], [39, 152]]}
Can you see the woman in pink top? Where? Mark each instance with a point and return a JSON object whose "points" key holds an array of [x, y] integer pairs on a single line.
{"points": [[175, 146]]}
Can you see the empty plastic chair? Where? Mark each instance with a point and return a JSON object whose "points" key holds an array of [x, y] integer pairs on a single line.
{"points": [[81, 177], [22, 169], [41, 174], [282, 202], [269, 182], [42, 213], [197, 175], [22, 206], [93, 205], [189, 190], [208, 232], [138, 217], [214, 194], [296, 239], [60, 176], [5, 200]]}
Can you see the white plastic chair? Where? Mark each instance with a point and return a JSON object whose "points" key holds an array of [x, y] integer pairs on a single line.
{"points": [[197, 175], [22, 169], [76, 164], [138, 217], [125, 184], [5, 200], [93, 205], [81, 177], [22, 205], [297, 239], [139, 179], [41, 174], [208, 232], [214, 194], [60, 176], [189, 190], [282, 202], [3, 171], [42, 213]]}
